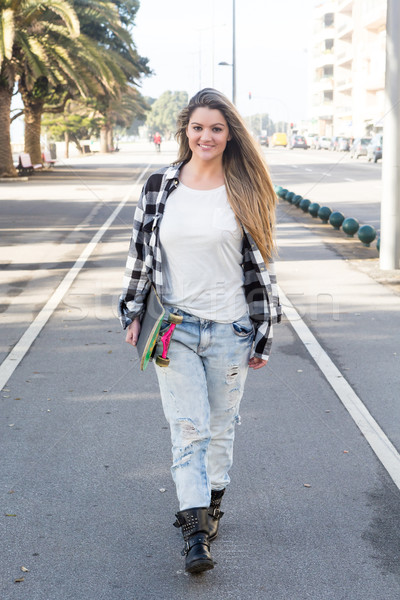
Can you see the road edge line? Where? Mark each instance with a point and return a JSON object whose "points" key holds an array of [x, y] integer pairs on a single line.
{"points": [[375, 436], [16, 355]]}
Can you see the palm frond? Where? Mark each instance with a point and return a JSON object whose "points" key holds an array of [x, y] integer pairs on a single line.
{"points": [[37, 10], [32, 61]]}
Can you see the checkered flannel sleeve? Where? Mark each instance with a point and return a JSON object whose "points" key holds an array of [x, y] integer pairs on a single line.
{"points": [[135, 282], [262, 297]]}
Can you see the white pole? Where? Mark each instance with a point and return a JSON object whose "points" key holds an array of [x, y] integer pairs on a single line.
{"points": [[390, 206], [233, 52]]}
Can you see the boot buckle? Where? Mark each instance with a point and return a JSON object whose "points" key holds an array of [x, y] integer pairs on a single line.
{"points": [[216, 513], [186, 549]]}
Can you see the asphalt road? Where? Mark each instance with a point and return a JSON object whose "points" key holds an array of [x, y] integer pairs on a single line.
{"points": [[87, 499], [352, 186]]}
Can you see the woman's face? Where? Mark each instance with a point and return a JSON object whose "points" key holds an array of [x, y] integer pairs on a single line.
{"points": [[208, 133]]}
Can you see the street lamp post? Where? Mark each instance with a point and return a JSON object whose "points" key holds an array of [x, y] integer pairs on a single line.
{"points": [[233, 52], [233, 63], [390, 206]]}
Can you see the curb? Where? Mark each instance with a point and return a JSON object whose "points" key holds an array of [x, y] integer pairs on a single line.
{"points": [[13, 179]]}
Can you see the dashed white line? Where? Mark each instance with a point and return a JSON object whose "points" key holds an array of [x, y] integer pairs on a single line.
{"points": [[349, 179], [13, 359], [309, 170], [375, 436]]}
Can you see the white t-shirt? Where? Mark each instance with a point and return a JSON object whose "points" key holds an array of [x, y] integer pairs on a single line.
{"points": [[201, 245]]}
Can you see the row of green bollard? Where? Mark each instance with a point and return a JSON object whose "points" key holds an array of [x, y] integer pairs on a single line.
{"points": [[350, 226]]}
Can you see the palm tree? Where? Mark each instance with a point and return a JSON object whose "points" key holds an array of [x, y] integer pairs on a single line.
{"points": [[120, 111], [98, 64], [117, 43], [24, 28], [7, 79], [72, 68]]}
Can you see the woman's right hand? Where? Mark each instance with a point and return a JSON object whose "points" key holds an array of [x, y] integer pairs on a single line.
{"points": [[132, 332]]}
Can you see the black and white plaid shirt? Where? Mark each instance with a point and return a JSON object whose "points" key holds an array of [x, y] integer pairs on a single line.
{"points": [[144, 266]]}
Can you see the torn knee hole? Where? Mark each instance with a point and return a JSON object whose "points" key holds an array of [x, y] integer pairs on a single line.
{"points": [[232, 373], [183, 461], [189, 432]]}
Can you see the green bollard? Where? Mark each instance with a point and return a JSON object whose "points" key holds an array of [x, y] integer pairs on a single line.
{"points": [[366, 234], [350, 226], [324, 213], [336, 219], [313, 209], [304, 204]]}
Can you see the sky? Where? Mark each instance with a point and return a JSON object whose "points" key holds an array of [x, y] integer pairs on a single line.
{"points": [[185, 40]]}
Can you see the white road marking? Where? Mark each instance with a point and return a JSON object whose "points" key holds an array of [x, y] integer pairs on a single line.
{"points": [[349, 179], [375, 436], [327, 174], [309, 170], [16, 355]]}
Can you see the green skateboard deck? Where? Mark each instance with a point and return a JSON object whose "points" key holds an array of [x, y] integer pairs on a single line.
{"points": [[149, 328]]}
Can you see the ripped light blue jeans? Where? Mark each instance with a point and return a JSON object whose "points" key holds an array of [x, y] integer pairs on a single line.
{"points": [[201, 390]]}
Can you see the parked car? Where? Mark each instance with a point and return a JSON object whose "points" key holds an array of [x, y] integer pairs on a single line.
{"points": [[263, 139], [279, 139], [374, 148], [334, 143], [359, 147], [298, 141], [343, 144], [323, 143]]}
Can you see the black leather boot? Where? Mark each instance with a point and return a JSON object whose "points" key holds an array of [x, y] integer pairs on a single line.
{"points": [[194, 523], [214, 513]]}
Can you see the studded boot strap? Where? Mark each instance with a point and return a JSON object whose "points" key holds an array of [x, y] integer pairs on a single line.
{"points": [[214, 508], [194, 527]]}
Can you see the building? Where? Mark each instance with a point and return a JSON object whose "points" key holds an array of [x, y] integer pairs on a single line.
{"points": [[348, 67]]}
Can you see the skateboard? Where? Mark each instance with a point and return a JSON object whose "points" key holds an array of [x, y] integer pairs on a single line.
{"points": [[163, 360], [150, 328]]}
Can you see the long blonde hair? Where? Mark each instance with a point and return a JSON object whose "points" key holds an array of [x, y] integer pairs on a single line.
{"points": [[247, 180]]}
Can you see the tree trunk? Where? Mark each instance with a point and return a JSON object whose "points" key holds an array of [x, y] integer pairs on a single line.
{"points": [[103, 139], [33, 123], [77, 143], [7, 168], [66, 138], [110, 138]]}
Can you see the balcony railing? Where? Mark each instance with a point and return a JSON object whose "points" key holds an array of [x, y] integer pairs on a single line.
{"points": [[344, 56], [318, 51], [342, 111], [345, 28], [324, 60], [345, 83], [323, 84]]}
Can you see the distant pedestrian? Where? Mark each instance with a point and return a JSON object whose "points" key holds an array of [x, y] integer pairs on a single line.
{"points": [[157, 141], [203, 235]]}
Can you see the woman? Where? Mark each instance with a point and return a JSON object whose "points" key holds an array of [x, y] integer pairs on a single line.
{"points": [[203, 234]]}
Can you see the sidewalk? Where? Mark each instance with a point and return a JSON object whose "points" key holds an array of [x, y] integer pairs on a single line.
{"points": [[336, 286], [350, 249]]}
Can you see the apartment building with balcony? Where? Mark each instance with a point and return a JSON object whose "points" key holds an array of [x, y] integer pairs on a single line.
{"points": [[348, 67]]}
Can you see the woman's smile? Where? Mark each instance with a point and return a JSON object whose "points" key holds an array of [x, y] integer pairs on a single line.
{"points": [[207, 133]]}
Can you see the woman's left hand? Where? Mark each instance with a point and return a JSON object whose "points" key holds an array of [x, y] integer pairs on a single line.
{"points": [[257, 363]]}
